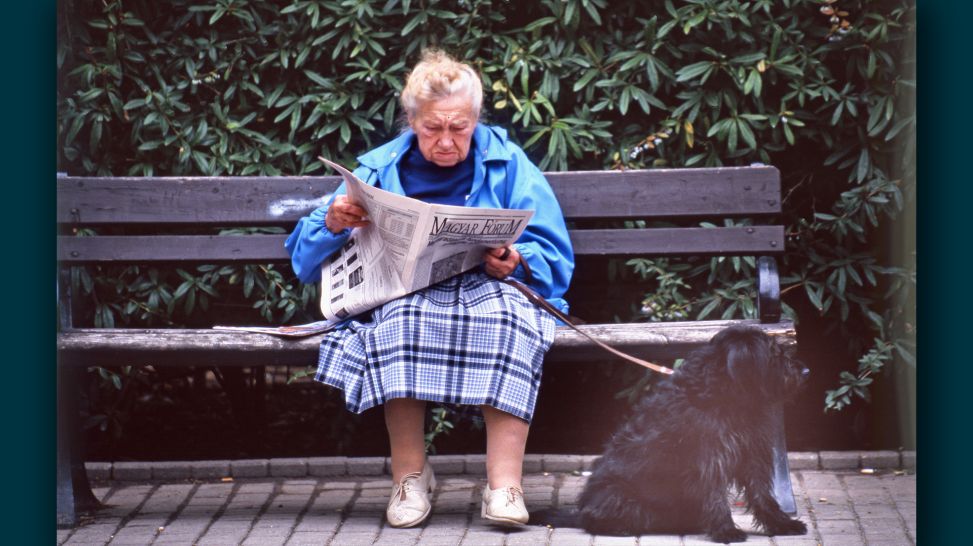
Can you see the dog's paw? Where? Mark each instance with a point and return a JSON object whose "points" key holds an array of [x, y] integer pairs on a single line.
{"points": [[729, 535], [788, 527]]}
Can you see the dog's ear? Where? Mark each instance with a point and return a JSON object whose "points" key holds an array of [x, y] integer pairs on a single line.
{"points": [[745, 362]]}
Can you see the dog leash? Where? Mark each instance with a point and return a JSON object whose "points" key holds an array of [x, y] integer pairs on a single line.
{"points": [[539, 301]]}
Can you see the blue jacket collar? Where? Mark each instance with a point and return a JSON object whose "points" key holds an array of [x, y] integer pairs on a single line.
{"points": [[491, 142]]}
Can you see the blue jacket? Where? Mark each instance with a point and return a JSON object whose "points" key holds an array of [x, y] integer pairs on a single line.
{"points": [[503, 178]]}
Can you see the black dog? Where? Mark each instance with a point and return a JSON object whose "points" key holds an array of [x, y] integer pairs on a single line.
{"points": [[706, 428]]}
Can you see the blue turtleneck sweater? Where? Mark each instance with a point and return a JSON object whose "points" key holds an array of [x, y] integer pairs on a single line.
{"points": [[426, 181]]}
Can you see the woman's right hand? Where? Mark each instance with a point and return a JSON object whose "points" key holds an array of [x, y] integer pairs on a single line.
{"points": [[344, 213]]}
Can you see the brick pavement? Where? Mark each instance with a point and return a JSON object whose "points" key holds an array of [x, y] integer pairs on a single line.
{"points": [[842, 507]]}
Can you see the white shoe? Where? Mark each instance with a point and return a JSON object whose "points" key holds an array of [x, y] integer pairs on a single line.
{"points": [[409, 504], [504, 506]]}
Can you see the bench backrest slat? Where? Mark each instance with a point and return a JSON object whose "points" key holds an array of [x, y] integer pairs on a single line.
{"points": [[203, 201], [254, 201], [150, 207], [668, 193], [756, 240]]}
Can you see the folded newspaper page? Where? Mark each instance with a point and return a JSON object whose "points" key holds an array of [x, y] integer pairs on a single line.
{"points": [[407, 245], [296, 330]]}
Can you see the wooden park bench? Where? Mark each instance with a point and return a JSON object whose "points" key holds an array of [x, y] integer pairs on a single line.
{"points": [[151, 207]]}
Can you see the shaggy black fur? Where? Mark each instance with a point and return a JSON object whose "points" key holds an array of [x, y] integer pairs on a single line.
{"points": [[707, 427]]}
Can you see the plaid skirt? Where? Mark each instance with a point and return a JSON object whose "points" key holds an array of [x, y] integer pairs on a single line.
{"points": [[469, 340]]}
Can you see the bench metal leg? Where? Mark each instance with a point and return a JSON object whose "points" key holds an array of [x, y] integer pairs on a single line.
{"points": [[74, 494], [783, 491]]}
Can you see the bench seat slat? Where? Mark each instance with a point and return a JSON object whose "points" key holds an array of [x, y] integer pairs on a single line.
{"points": [[213, 347], [756, 240], [669, 193]]}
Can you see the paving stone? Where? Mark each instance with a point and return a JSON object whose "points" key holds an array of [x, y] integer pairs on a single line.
{"points": [[614, 541], [174, 539], [528, 536], [796, 541], [308, 539], [888, 538], [381, 483], [318, 523], [483, 537], [219, 491], [660, 540], [135, 535], [298, 487], [826, 512], [265, 541], [840, 540], [841, 506], [361, 524], [176, 529], [426, 540], [329, 501], [250, 487], [246, 504], [354, 539], [538, 480], [167, 498], [821, 480], [578, 537], [568, 495]]}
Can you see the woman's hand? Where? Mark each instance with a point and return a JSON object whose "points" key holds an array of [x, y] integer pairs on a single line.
{"points": [[501, 262], [344, 213]]}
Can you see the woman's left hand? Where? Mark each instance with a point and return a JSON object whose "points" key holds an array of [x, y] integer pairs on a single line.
{"points": [[501, 262]]}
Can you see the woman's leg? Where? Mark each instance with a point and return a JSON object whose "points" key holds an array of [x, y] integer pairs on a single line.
{"points": [[506, 442], [405, 419]]}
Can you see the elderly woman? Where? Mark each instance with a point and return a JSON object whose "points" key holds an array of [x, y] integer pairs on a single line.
{"points": [[469, 340]]}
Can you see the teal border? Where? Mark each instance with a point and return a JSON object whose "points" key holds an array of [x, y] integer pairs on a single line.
{"points": [[944, 233], [29, 310]]}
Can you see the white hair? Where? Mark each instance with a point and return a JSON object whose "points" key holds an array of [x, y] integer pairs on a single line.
{"points": [[438, 76]]}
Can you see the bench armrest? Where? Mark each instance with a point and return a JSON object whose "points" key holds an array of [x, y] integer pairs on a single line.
{"points": [[768, 290]]}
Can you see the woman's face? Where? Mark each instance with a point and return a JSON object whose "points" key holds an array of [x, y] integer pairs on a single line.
{"points": [[444, 129]]}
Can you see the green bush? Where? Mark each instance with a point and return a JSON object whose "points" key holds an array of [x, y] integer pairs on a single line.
{"points": [[824, 90]]}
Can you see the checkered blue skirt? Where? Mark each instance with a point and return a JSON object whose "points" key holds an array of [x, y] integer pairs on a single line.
{"points": [[469, 340]]}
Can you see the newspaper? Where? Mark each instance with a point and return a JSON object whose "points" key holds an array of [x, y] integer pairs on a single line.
{"points": [[407, 245], [296, 330]]}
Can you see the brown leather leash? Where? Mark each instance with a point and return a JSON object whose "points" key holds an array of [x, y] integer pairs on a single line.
{"points": [[539, 301]]}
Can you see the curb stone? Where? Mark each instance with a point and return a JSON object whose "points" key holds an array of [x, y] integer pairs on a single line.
{"points": [[835, 460], [803, 460], [453, 465], [250, 468]]}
